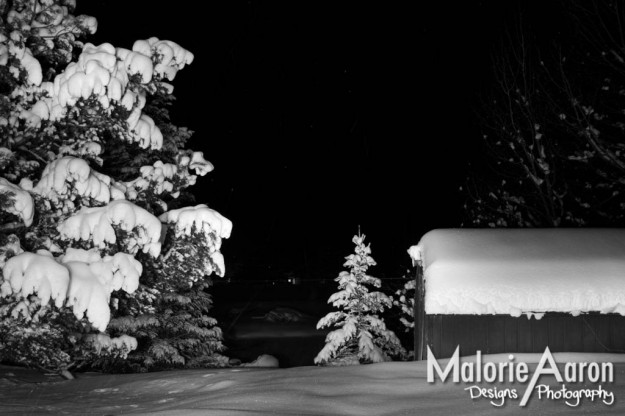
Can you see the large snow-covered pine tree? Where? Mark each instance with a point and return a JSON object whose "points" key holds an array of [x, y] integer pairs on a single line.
{"points": [[101, 264], [361, 336]]}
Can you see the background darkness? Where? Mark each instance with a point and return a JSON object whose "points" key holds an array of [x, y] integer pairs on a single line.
{"points": [[323, 116]]}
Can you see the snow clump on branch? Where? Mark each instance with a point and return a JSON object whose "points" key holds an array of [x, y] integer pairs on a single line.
{"points": [[96, 225]]}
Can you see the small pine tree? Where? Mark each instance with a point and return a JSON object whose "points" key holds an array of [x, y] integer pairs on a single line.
{"points": [[362, 336]]}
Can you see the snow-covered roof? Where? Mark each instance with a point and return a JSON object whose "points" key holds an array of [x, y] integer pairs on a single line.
{"points": [[517, 271]]}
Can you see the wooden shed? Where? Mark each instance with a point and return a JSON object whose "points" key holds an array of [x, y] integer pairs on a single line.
{"points": [[520, 290]]}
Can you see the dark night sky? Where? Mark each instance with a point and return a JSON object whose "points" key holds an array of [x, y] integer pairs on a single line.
{"points": [[320, 117]]}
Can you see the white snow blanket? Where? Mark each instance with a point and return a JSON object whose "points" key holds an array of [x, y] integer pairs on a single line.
{"points": [[384, 389], [517, 271]]}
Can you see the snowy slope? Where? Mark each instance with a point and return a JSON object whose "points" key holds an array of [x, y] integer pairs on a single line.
{"points": [[516, 271], [396, 388]]}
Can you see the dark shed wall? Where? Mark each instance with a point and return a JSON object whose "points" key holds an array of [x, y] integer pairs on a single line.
{"points": [[494, 334]]}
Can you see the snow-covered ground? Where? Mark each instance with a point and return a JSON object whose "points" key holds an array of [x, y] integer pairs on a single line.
{"points": [[397, 388]]}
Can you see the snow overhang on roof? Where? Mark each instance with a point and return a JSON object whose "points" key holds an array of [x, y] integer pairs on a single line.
{"points": [[523, 271]]}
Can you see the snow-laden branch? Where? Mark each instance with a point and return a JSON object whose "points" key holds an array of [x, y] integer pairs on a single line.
{"points": [[93, 279], [102, 342], [69, 177], [204, 219], [22, 202], [103, 72], [45, 19], [196, 162], [40, 19], [83, 280], [30, 273], [169, 178], [96, 225], [13, 47], [118, 272], [170, 56], [210, 224]]}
